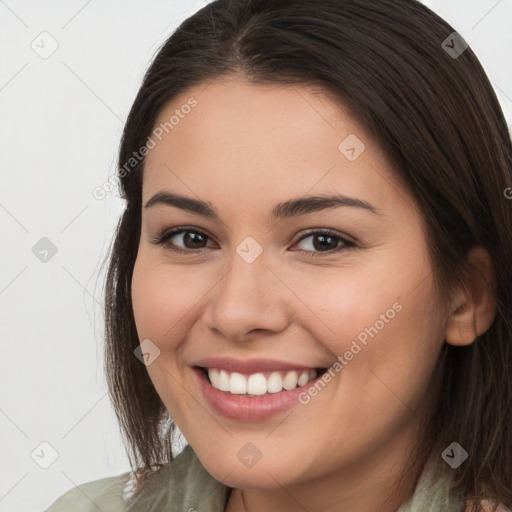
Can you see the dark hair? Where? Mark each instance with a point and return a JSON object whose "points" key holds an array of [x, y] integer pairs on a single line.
{"points": [[438, 120]]}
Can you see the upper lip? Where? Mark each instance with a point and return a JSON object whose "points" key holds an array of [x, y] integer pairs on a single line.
{"points": [[250, 365]]}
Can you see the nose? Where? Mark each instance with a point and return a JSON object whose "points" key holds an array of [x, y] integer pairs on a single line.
{"points": [[248, 300]]}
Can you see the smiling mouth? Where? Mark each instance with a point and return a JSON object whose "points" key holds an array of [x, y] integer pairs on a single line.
{"points": [[259, 383]]}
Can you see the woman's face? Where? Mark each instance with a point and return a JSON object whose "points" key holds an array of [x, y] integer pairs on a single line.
{"points": [[280, 284]]}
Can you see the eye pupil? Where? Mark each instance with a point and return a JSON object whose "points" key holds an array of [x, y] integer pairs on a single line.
{"points": [[193, 237], [323, 238]]}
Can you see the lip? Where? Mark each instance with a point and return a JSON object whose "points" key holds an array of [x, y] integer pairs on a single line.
{"points": [[248, 366], [249, 409]]}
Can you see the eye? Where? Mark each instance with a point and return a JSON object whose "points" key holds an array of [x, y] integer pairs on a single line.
{"points": [[322, 241], [325, 241], [192, 240]]}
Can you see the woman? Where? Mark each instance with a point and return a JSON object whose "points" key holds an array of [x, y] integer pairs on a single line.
{"points": [[312, 274]]}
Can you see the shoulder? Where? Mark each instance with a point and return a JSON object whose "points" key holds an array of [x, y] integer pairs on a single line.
{"points": [[103, 494], [181, 485]]}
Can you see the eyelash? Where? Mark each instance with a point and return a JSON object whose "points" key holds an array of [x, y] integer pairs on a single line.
{"points": [[166, 235]]}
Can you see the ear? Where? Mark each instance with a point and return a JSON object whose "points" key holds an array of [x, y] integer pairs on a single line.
{"points": [[472, 315]]}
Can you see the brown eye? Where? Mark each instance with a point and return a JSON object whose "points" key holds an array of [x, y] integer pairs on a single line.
{"points": [[324, 242], [191, 240]]}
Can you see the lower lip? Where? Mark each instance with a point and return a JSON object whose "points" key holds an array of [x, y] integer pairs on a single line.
{"points": [[246, 408]]}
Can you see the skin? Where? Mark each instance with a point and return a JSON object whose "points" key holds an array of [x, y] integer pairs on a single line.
{"points": [[244, 148]]}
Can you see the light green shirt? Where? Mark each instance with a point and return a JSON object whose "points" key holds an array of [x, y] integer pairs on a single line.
{"points": [[184, 485]]}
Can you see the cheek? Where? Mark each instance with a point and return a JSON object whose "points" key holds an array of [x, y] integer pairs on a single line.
{"points": [[163, 299], [379, 318], [339, 304]]}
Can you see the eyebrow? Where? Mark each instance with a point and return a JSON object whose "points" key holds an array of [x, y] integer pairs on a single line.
{"points": [[291, 208]]}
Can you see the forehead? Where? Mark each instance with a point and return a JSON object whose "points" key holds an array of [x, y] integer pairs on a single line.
{"points": [[233, 137]]}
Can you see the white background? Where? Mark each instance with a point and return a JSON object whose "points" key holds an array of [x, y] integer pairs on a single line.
{"points": [[60, 123]]}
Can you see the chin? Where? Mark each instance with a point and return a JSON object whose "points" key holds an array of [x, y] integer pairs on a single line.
{"points": [[264, 474], [249, 478]]}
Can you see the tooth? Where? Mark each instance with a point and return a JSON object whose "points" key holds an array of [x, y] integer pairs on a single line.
{"points": [[304, 378], [274, 383], [257, 384], [290, 381], [237, 384], [213, 375], [223, 381]]}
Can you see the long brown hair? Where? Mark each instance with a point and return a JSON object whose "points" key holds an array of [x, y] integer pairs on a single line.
{"points": [[436, 117]]}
